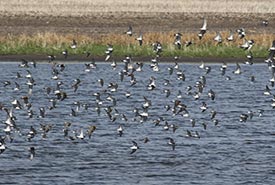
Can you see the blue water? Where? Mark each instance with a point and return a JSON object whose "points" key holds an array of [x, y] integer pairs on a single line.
{"points": [[231, 152]]}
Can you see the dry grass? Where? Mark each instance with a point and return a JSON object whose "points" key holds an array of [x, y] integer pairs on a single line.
{"points": [[52, 43], [46, 39], [87, 7]]}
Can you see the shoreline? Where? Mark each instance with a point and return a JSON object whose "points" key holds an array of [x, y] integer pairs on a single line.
{"points": [[82, 58]]}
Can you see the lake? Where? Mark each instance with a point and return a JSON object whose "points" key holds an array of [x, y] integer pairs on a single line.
{"points": [[220, 150]]}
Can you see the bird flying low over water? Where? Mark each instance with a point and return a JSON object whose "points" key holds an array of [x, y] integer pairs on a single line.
{"points": [[172, 143], [32, 152], [238, 69], [203, 29], [120, 130], [249, 57], [134, 148]]}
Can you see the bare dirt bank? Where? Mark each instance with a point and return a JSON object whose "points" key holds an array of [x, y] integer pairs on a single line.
{"points": [[116, 22], [83, 58]]}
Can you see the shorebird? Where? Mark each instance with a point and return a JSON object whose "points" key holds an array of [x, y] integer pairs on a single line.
{"points": [[218, 38], [231, 36], [120, 130], [74, 44], [243, 117], [32, 132], [249, 57], [267, 91], [211, 94], [157, 47], [109, 51], [213, 114], [188, 43], [177, 40], [81, 135], [152, 83], [140, 39], [223, 68], [247, 45], [65, 53], [32, 152], [129, 31], [241, 33], [265, 22], [24, 63], [203, 107], [2, 147], [238, 69], [203, 29], [134, 148], [172, 143], [271, 54]]}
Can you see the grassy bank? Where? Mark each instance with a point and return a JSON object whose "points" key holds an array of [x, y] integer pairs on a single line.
{"points": [[51, 43]]}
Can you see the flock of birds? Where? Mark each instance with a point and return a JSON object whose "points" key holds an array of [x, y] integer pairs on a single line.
{"points": [[58, 94]]}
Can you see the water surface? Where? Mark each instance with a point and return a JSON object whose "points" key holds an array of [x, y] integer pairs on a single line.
{"points": [[231, 152]]}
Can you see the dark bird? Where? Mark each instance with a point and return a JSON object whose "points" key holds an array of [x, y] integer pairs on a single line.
{"points": [[243, 117], [32, 152], [211, 94], [265, 23], [172, 143]]}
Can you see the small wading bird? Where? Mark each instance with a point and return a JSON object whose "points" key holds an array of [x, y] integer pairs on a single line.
{"points": [[203, 29], [129, 31], [140, 39], [241, 33], [177, 41], [218, 38], [134, 148]]}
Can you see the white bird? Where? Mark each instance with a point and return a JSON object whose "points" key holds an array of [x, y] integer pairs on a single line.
{"points": [[120, 130], [218, 38], [231, 36], [81, 135]]}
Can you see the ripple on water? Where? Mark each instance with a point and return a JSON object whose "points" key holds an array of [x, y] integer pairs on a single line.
{"points": [[228, 153]]}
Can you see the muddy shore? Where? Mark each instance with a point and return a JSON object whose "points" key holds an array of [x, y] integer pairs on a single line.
{"points": [[115, 22]]}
